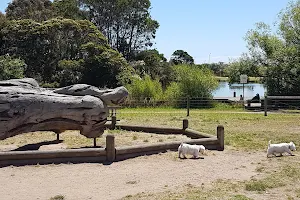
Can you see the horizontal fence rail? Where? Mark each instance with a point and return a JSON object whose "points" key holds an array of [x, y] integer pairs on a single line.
{"points": [[281, 103], [192, 102]]}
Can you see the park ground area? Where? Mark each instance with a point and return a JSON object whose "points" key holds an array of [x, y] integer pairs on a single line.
{"points": [[240, 172]]}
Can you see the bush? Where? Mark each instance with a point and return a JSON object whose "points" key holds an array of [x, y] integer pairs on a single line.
{"points": [[11, 68], [195, 82], [146, 88]]}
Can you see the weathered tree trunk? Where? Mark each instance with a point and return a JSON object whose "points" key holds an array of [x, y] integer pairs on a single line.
{"points": [[25, 107]]}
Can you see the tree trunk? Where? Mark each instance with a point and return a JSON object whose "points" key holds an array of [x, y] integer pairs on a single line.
{"points": [[25, 107]]}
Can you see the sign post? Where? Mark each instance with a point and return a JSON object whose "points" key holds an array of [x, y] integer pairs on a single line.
{"points": [[243, 80]]}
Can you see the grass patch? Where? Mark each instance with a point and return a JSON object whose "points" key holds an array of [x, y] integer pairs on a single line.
{"points": [[217, 190], [240, 197], [287, 174], [57, 197], [134, 137]]}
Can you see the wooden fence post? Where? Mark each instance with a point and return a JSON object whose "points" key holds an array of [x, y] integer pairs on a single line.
{"points": [[220, 136], [188, 103], [57, 135], [185, 124], [113, 122], [110, 148], [266, 105]]}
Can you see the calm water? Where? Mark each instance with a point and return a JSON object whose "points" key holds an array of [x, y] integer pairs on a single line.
{"points": [[250, 89]]}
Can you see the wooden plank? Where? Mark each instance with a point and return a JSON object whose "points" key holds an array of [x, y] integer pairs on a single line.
{"points": [[159, 130], [23, 155], [163, 146], [195, 134], [284, 97], [97, 159]]}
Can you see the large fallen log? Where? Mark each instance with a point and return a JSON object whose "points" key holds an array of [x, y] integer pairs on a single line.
{"points": [[26, 107]]}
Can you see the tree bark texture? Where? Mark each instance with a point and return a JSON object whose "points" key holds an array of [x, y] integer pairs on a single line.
{"points": [[26, 107]]}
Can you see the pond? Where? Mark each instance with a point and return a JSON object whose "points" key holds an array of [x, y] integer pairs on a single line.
{"points": [[250, 89]]}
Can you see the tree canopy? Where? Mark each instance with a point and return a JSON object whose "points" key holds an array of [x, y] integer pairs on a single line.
{"points": [[51, 47], [181, 57], [37, 10], [279, 52], [69, 9], [63, 42], [155, 65], [127, 24]]}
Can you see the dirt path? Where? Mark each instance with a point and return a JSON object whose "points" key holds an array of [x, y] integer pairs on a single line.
{"points": [[144, 174]]}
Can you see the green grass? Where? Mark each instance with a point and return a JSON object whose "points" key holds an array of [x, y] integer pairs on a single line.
{"points": [[57, 197], [240, 197], [217, 190], [282, 176], [286, 175], [243, 130]]}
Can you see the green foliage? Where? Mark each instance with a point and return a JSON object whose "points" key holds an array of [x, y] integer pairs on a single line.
{"points": [[243, 65], [3, 20], [279, 53], [11, 68], [152, 63], [102, 66], [181, 57], [69, 9], [194, 81], [37, 10], [57, 197], [65, 51], [240, 197], [217, 68], [126, 23], [173, 91], [70, 72], [145, 88]]}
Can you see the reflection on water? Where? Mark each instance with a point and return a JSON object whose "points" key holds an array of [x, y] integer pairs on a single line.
{"points": [[250, 89]]}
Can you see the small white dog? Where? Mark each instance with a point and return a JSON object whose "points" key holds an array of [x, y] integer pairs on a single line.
{"points": [[280, 148], [190, 149]]}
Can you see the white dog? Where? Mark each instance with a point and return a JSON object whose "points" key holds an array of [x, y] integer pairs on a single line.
{"points": [[190, 149], [280, 148]]}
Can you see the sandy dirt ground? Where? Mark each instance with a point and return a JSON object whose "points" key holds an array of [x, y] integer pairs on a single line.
{"points": [[147, 174]]}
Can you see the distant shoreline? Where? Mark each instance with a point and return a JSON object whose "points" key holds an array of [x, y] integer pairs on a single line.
{"points": [[251, 79]]}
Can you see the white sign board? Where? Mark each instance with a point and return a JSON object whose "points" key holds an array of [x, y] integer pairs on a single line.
{"points": [[243, 78]]}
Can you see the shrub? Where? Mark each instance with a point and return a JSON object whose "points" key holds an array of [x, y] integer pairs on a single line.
{"points": [[11, 68], [195, 82], [192, 81], [141, 89]]}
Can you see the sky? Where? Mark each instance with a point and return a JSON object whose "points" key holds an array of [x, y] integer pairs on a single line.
{"points": [[209, 30]]}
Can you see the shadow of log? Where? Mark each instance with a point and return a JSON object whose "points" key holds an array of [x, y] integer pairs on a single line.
{"points": [[88, 147], [36, 146]]}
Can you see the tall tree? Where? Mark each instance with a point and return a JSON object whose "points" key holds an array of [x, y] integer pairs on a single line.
{"points": [[2, 19], [279, 52], [242, 65], [58, 47], [155, 65], [181, 57], [69, 9], [37, 10], [127, 24]]}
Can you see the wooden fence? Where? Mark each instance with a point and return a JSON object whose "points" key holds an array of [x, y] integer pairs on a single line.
{"points": [[112, 153]]}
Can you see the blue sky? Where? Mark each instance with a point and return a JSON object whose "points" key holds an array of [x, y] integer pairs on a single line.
{"points": [[207, 28]]}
